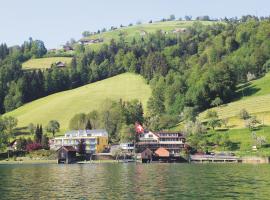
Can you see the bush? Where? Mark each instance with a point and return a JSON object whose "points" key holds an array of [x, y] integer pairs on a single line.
{"points": [[33, 147], [244, 114]]}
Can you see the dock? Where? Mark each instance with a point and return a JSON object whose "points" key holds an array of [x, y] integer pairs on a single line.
{"points": [[214, 159]]}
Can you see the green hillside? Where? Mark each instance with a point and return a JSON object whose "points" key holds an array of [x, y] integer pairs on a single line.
{"points": [[63, 105], [44, 63], [254, 97], [140, 30]]}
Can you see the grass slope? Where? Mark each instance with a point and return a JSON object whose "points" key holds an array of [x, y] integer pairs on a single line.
{"points": [[242, 141], [63, 106], [136, 30], [44, 63], [254, 97]]}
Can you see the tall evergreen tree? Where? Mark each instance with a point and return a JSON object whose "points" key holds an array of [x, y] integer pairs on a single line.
{"points": [[88, 125]]}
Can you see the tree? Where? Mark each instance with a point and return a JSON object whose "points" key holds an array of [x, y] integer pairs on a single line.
{"points": [[86, 33], [172, 17], [214, 122], [225, 140], [216, 102], [53, 126], [211, 114], [133, 111], [244, 114], [127, 133], [188, 18], [252, 122], [88, 125], [225, 122], [31, 128], [189, 114], [78, 121], [3, 135], [196, 135], [82, 147], [10, 123], [93, 116], [38, 134], [112, 118], [38, 49], [14, 97], [45, 142], [21, 144]]}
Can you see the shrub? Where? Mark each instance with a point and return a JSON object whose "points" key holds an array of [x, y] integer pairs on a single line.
{"points": [[244, 114], [33, 146]]}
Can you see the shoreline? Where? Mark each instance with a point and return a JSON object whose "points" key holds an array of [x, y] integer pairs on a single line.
{"points": [[13, 162], [33, 162]]}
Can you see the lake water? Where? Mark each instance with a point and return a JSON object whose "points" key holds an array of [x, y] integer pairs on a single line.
{"points": [[135, 181]]}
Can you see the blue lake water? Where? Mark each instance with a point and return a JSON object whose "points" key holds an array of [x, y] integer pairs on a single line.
{"points": [[135, 181]]}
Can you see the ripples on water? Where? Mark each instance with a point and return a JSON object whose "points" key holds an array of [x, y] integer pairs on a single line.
{"points": [[135, 181]]}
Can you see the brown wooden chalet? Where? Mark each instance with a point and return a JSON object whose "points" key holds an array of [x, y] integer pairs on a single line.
{"points": [[66, 154]]}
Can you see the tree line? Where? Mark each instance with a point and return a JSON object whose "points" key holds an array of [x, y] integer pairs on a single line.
{"points": [[117, 117]]}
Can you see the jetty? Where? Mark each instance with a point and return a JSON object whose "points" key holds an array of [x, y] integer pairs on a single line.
{"points": [[214, 159]]}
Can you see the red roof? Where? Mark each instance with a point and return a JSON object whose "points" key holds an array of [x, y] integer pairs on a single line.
{"points": [[162, 152]]}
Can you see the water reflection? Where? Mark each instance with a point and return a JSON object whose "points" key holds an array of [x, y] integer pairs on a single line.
{"points": [[131, 181]]}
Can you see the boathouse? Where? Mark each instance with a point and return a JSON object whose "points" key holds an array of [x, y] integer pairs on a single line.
{"points": [[66, 154], [146, 156]]}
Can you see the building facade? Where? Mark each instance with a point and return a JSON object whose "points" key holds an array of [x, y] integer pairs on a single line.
{"points": [[172, 141], [95, 141]]}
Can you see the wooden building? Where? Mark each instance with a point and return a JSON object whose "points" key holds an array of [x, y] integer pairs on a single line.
{"points": [[60, 64], [146, 156], [66, 154]]}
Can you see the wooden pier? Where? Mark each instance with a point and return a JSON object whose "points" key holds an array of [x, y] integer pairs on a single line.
{"points": [[214, 159]]}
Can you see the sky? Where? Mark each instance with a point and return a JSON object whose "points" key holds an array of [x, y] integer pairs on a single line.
{"points": [[57, 21]]}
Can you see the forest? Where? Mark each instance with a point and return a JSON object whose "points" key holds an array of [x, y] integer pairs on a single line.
{"points": [[188, 72]]}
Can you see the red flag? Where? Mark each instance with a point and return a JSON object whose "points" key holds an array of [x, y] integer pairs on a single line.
{"points": [[139, 129]]}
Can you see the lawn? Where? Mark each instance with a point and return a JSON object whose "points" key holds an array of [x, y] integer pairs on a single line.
{"points": [[44, 63], [63, 106]]}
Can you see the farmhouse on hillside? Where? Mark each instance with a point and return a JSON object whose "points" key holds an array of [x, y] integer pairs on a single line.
{"points": [[60, 64], [67, 48], [85, 41]]}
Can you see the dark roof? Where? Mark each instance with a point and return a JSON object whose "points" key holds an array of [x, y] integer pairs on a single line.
{"points": [[147, 150], [67, 148], [159, 134], [60, 64], [12, 143]]}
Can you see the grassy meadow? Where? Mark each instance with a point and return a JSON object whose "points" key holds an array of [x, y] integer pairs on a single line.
{"points": [[253, 96], [137, 31], [63, 106], [242, 141], [44, 63]]}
